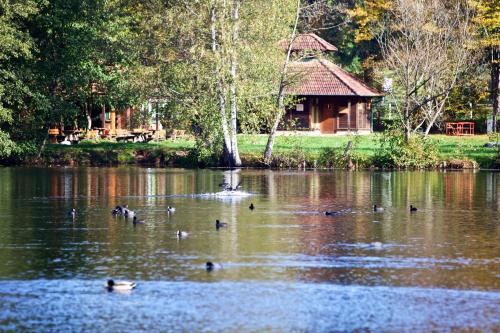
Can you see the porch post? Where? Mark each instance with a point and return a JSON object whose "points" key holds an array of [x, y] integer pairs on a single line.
{"points": [[349, 116], [357, 115], [157, 118], [103, 116], [112, 116]]}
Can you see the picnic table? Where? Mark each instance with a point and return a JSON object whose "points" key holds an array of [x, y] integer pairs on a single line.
{"points": [[459, 128], [136, 135], [68, 135]]}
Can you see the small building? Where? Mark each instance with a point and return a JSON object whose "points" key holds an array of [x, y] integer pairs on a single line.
{"points": [[329, 99]]}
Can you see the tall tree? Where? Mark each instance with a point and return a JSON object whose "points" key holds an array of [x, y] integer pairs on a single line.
{"points": [[282, 85], [224, 63], [82, 47], [16, 50], [488, 20], [426, 48]]}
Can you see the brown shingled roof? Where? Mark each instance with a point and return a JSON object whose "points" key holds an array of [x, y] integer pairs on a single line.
{"points": [[320, 77], [310, 42]]}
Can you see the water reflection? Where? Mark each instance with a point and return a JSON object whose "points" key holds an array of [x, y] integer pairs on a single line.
{"points": [[451, 242]]}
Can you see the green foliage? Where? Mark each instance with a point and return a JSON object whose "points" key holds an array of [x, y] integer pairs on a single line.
{"points": [[295, 158], [16, 49], [417, 152], [336, 157], [332, 158], [7, 146]]}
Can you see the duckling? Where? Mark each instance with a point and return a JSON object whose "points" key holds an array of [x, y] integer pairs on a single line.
{"points": [[120, 285], [170, 209], [219, 224], [182, 234], [136, 221], [413, 209], [209, 266], [251, 206], [72, 213], [377, 209]]}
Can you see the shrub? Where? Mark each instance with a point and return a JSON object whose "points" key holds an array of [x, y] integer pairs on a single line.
{"points": [[416, 153], [332, 158], [295, 158], [336, 157]]}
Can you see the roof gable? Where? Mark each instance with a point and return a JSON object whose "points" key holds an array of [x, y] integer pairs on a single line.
{"points": [[310, 42], [320, 77]]}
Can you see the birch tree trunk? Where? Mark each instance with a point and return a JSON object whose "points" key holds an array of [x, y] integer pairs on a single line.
{"points": [[219, 84], [88, 114], [234, 154], [281, 92]]}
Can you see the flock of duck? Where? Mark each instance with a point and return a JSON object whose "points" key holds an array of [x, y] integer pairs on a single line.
{"points": [[111, 285]]}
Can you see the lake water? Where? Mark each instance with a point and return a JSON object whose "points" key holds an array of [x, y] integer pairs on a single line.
{"points": [[285, 266]]}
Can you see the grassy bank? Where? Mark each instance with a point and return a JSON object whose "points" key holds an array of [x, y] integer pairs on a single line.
{"points": [[289, 151]]}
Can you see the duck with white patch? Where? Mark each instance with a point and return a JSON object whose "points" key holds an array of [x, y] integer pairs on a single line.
{"points": [[111, 285], [128, 213]]}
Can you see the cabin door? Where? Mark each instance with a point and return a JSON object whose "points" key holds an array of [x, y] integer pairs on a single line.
{"points": [[327, 124]]}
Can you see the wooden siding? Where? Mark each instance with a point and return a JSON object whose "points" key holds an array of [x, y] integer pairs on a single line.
{"points": [[334, 113]]}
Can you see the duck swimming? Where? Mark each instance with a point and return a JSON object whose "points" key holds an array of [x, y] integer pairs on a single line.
{"points": [[209, 266], [328, 213], [136, 221], [72, 213], [118, 210], [413, 209], [120, 285], [170, 209], [182, 234], [251, 207], [377, 209], [219, 224]]}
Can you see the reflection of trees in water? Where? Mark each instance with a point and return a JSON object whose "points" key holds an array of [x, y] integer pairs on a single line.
{"points": [[273, 228]]}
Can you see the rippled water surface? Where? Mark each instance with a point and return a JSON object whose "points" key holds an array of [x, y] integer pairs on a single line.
{"points": [[285, 266]]}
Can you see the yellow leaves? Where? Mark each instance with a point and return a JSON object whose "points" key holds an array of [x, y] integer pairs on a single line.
{"points": [[488, 19], [366, 15]]}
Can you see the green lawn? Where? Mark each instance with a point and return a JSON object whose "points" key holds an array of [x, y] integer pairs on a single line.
{"points": [[450, 147]]}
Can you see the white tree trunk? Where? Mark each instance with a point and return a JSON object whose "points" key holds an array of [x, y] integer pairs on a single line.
{"points": [[88, 114], [234, 156], [281, 90], [220, 87]]}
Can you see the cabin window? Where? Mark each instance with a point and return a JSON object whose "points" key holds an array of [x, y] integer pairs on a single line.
{"points": [[107, 116]]}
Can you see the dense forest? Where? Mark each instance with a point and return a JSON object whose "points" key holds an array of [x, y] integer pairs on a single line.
{"points": [[218, 68]]}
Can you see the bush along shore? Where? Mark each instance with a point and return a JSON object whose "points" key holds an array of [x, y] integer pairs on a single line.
{"points": [[292, 152]]}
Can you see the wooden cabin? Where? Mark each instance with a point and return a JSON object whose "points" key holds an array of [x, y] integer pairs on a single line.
{"points": [[111, 121], [329, 99]]}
